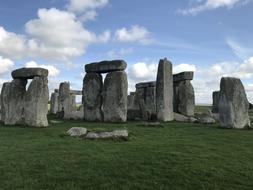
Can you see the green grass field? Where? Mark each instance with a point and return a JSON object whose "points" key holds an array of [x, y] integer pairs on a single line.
{"points": [[172, 156]]}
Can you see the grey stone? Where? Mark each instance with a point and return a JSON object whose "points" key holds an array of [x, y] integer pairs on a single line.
{"points": [[36, 103], [146, 84], [106, 66], [54, 104], [92, 97], [183, 118], [206, 120], [184, 98], [12, 102], [183, 76], [216, 97], [133, 115], [107, 134], [233, 104], [77, 131], [164, 91], [29, 73], [76, 92], [250, 106], [115, 97]]}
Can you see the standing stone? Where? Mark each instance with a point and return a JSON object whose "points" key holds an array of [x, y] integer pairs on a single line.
{"points": [[36, 103], [164, 91], [233, 104], [12, 101], [73, 101], [115, 97], [54, 103], [92, 97], [65, 100], [216, 97], [184, 98]]}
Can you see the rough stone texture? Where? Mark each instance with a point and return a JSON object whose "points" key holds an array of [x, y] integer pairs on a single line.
{"points": [[115, 97], [184, 98], [76, 92], [106, 66], [206, 120], [215, 107], [183, 76], [183, 118], [54, 104], [29, 73], [73, 101], [164, 91], [36, 103], [233, 104], [77, 131], [12, 102], [109, 134], [92, 97], [250, 106], [65, 101], [146, 84], [133, 115]]}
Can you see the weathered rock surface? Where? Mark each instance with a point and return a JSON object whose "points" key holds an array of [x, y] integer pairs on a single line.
{"points": [[77, 131], [12, 102], [164, 91], [115, 97], [65, 101], [109, 134], [183, 118], [36, 103], [206, 120], [76, 92], [54, 104], [133, 115], [184, 98], [183, 76], [92, 97], [215, 107], [29, 73], [146, 84], [233, 104], [106, 66]]}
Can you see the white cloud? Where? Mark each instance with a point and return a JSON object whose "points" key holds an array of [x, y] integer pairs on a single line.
{"points": [[52, 70], [115, 54], [239, 50], [134, 34], [184, 67], [204, 5], [5, 65], [54, 35], [84, 5]]}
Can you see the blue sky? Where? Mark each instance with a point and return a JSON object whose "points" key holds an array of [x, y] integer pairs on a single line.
{"points": [[211, 37]]}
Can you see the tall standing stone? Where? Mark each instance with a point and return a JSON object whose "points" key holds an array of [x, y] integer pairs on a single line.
{"points": [[92, 97], [12, 101], [216, 97], [164, 91], [36, 102], [54, 104], [233, 104], [184, 98], [115, 97], [65, 100]]}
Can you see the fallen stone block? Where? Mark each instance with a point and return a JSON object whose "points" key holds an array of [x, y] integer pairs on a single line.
{"points": [[106, 66]]}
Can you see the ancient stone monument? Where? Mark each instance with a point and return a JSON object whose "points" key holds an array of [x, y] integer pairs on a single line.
{"points": [[105, 102], [21, 106], [54, 102], [164, 91], [233, 104], [216, 97], [184, 98], [67, 107]]}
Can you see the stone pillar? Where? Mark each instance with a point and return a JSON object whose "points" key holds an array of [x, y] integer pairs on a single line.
{"points": [[92, 97], [216, 97], [164, 91], [115, 97], [65, 100], [36, 102], [54, 104], [12, 101], [233, 104]]}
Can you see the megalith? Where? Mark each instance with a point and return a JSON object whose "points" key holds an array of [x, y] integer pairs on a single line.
{"points": [[54, 104], [12, 102], [115, 97], [216, 97], [36, 102], [164, 91], [65, 100], [92, 97], [184, 96], [233, 104]]}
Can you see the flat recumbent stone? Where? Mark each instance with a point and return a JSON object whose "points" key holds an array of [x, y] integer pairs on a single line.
{"points": [[106, 66], [29, 73]]}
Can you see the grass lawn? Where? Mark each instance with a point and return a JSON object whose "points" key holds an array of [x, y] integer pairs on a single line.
{"points": [[173, 156]]}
